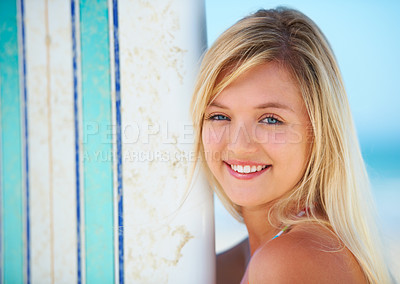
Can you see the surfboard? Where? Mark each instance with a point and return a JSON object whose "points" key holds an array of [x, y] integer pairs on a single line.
{"points": [[97, 143]]}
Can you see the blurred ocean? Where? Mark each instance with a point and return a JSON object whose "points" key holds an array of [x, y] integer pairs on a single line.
{"points": [[383, 165]]}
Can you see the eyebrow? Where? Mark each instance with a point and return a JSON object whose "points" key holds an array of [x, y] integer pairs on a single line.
{"points": [[262, 106]]}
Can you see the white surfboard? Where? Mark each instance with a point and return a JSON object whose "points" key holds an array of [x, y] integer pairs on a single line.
{"points": [[104, 98]]}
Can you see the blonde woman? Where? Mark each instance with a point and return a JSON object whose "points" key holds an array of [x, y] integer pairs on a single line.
{"points": [[276, 138]]}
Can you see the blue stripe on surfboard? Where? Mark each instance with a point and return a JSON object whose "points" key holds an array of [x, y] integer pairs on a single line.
{"points": [[119, 144], [11, 147], [97, 149], [26, 148], [77, 157]]}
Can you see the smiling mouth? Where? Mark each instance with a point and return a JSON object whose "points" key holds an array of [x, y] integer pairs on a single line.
{"points": [[248, 169]]}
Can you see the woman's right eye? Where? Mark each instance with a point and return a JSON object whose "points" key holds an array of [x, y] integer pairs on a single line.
{"points": [[218, 117]]}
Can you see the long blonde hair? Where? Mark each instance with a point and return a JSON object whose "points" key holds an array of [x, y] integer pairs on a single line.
{"points": [[335, 184]]}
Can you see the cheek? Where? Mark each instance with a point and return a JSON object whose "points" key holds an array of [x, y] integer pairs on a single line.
{"points": [[272, 135], [294, 152], [213, 142], [301, 140], [300, 134], [280, 135], [287, 146], [213, 136]]}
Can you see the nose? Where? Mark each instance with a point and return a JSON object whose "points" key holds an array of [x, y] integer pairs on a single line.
{"points": [[241, 139]]}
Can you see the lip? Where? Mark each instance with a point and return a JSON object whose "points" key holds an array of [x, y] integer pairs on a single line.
{"points": [[244, 163], [244, 176]]}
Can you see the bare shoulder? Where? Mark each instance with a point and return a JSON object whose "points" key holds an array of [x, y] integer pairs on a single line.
{"points": [[309, 253]]}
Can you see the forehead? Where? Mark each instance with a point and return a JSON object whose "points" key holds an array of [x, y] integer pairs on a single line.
{"points": [[265, 83]]}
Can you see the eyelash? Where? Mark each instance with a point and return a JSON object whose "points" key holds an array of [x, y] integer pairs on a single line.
{"points": [[218, 117], [271, 116], [214, 117]]}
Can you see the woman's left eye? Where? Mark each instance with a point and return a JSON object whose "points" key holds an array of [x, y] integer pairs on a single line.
{"points": [[271, 120]]}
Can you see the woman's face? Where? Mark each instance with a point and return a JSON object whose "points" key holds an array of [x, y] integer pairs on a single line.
{"points": [[255, 136]]}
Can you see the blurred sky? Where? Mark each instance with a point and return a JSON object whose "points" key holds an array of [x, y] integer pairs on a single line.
{"points": [[365, 37]]}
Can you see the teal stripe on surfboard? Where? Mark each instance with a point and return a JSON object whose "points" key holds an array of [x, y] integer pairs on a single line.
{"points": [[12, 246], [97, 143]]}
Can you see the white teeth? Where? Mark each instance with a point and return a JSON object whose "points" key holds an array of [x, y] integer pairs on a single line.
{"points": [[247, 169]]}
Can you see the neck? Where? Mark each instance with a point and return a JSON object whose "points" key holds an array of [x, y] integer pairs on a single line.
{"points": [[258, 226]]}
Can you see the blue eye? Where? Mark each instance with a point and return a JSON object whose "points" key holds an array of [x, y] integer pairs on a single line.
{"points": [[271, 120], [218, 117]]}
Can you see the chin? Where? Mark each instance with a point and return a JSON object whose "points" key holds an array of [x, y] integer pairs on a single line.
{"points": [[246, 199]]}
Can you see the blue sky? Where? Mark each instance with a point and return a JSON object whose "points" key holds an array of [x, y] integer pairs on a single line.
{"points": [[365, 37]]}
